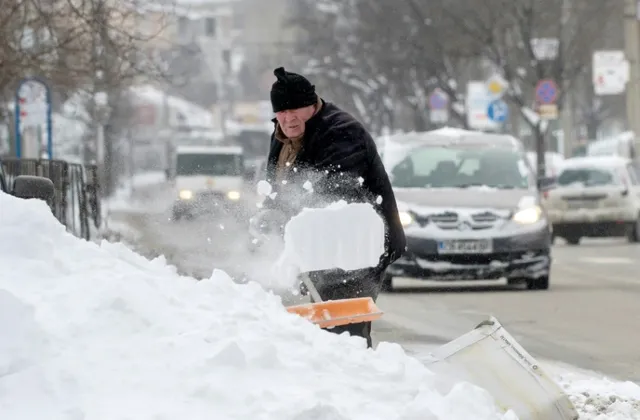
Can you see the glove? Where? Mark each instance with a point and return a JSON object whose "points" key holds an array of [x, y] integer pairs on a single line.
{"points": [[267, 222]]}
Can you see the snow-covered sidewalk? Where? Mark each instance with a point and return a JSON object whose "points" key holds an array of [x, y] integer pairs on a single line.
{"points": [[595, 396], [98, 332]]}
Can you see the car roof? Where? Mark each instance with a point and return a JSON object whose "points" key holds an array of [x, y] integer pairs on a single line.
{"points": [[231, 150], [605, 162], [448, 136]]}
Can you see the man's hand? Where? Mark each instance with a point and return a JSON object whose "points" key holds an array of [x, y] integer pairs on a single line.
{"points": [[267, 222]]}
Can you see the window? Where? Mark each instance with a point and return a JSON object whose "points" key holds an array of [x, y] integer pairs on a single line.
{"points": [[461, 167], [210, 26], [209, 164], [588, 177]]}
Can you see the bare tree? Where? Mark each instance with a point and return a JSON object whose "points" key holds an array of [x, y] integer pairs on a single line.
{"points": [[86, 46], [505, 31], [383, 57]]}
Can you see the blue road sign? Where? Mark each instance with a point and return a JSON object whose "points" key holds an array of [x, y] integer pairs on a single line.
{"points": [[438, 100], [498, 111], [546, 92]]}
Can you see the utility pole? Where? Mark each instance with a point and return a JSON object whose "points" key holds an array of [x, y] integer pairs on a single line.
{"points": [[566, 117], [632, 53]]}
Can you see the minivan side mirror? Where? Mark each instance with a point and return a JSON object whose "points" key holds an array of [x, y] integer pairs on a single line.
{"points": [[28, 186], [546, 183]]}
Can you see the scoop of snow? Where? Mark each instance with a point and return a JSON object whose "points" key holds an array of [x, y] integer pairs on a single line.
{"points": [[263, 188], [307, 186], [341, 235], [129, 338]]}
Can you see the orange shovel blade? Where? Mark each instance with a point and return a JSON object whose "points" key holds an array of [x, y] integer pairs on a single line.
{"points": [[338, 312]]}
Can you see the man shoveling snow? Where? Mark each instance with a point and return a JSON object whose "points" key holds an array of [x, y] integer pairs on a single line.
{"points": [[320, 154]]}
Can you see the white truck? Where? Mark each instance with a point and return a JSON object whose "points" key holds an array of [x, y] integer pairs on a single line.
{"points": [[207, 179]]}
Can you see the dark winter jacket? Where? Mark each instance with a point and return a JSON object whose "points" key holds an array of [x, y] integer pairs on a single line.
{"points": [[341, 162]]}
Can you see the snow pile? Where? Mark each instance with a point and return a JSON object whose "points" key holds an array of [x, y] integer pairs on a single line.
{"points": [[602, 399], [116, 336]]}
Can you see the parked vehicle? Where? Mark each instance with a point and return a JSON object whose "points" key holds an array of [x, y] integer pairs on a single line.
{"points": [[595, 197]]}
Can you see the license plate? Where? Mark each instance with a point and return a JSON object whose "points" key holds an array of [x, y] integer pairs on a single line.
{"points": [[580, 204], [465, 246]]}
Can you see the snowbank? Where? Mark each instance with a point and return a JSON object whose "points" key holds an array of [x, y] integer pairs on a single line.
{"points": [[115, 336], [599, 398]]}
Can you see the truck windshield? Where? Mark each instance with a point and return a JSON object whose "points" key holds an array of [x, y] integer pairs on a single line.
{"points": [[223, 164]]}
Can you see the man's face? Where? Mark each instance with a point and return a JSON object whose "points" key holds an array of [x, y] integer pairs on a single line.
{"points": [[292, 121]]}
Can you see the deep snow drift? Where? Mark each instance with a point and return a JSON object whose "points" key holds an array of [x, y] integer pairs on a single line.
{"points": [[98, 332]]}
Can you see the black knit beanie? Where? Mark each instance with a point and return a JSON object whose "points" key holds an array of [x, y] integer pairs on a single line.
{"points": [[291, 91]]}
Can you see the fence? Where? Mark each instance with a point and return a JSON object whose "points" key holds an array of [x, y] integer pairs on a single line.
{"points": [[76, 200]]}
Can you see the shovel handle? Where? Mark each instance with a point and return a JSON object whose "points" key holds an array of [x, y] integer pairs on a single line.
{"points": [[311, 287]]}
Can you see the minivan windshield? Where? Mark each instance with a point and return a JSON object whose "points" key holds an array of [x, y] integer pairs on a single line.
{"points": [[212, 164], [460, 166]]}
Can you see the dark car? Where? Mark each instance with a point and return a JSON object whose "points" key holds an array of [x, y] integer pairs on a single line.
{"points": [[470, 208]]}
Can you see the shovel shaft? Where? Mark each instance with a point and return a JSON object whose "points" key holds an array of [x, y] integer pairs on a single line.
{"points": [[311, 287]]}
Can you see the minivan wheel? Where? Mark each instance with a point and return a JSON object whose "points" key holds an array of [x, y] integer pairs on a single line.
{"points": [[540, 283], [634, 232]]}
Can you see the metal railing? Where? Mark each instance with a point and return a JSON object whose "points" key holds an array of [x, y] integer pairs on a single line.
{"points": [[76, 200]]}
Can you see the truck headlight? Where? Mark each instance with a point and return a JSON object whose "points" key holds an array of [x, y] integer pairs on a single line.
{"points": [[405, 218], [528, 216], [233, 195], [185, 194]]}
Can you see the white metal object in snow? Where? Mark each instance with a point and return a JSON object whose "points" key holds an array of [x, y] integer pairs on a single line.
{"points": [[490, 357]]}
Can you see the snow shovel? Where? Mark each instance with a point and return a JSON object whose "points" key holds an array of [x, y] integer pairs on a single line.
{"points": [[367, 235], [333, 313]]}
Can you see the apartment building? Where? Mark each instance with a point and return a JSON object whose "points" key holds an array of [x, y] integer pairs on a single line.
{"points": [[195, 38], [266, 39]]}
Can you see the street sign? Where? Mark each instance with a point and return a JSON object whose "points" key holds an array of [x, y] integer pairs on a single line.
{"points": [[548, 111], [546, 92], [438, 100], [498, 111], [439, 116], [610, 72], [476, 104], [497, 86], [545, 48], [33, 110]]}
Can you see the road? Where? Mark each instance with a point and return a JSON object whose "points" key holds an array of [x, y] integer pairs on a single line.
{"points": [[589, 317]]}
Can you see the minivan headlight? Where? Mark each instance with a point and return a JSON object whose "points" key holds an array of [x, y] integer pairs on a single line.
{"points": [[528, 216], [405, 218]]}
